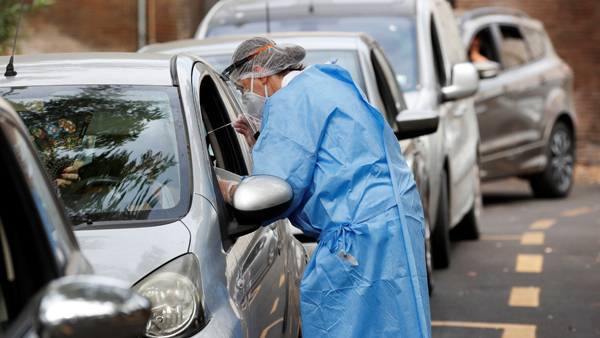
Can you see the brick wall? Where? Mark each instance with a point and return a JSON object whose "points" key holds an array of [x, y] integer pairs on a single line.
{"points": [[574, 30], [108, 25]]}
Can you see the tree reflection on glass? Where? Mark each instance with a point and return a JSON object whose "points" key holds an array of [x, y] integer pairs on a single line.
{"points": [[121, 138]]}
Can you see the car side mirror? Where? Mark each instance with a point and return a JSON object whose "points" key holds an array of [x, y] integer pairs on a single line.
{"points": [[465, 82], [487, 69], [257, 199], [90, 306], [415, 123]]}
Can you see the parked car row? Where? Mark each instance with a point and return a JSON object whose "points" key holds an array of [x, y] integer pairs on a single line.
{"points": [[124, 151]]}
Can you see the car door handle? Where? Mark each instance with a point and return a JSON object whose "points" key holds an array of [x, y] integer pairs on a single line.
{"points": [[460, 111]]}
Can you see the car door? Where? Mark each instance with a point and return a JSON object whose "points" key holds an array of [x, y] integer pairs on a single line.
{"points": [[457, 117], [259, 279], [522, 84]]}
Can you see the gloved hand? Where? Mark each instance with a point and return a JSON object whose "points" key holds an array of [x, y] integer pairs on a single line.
{"points": [[242, 128], [227, 189]]}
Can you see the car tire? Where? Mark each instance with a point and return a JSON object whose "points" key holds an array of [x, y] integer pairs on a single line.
{"points": [[440, 237], [556, 180], [468, 228]]}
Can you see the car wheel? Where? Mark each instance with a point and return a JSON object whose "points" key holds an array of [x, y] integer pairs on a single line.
{"points": [[468, 228], [557, 178], [440, 237]]}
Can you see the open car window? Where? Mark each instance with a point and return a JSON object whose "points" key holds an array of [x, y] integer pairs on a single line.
{"points": [[128, 143]]}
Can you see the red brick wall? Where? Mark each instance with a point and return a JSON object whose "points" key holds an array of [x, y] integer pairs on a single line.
{"points": [[574, 30], [112, 25]]}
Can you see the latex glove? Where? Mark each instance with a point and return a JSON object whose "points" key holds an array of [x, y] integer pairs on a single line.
{"points": [[242, 128], [227, 189]]}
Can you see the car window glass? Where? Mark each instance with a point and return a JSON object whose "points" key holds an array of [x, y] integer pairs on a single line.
{"points": [[449, 33], [487, 48], [127, 141], [535, 42], [345, 58], [223, 146], [514, 50], [395, 34], [389, 94]]}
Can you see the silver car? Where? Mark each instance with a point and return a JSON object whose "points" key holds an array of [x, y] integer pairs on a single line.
{"points": [[525, 104], [46, 286], [366, 62], [425, 49], [148, 136]]}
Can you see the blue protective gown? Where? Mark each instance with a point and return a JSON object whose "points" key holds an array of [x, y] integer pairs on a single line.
{"points": [[355, 193]]}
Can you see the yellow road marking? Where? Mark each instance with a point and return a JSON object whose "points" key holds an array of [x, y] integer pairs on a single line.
{"points": [[533, 238], [275, 305], [500, 237], [524, 296], [264, 333], [510, 330], [254, 294], [529, 263], [542, 224], [577, 212], [281, 279]]}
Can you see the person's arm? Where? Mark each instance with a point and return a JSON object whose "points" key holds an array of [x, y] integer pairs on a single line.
{"points": [[227, 189]]}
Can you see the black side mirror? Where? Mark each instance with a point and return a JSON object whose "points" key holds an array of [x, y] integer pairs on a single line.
{"points": [[90, 306], [257, 199], [415, 123]]}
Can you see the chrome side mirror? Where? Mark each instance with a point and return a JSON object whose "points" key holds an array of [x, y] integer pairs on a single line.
{"points": [[487, 69], [260, 198], [92, 307], [465, 82], [415, 123]]}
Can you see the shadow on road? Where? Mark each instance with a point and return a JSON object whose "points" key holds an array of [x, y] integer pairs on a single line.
{"points": [[493, 198]]}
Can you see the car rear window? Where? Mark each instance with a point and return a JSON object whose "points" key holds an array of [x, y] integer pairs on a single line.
{"points": [[128, 142], [348, 59], [396, 34]]}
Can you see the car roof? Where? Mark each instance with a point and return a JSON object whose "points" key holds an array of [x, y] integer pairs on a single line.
{"points": [[89, 69], [496, 14], [226, 44], [239, 11]]}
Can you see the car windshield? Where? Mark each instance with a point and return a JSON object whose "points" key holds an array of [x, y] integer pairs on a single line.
{"points": [[345, 58], [128, 143], [396, 34]]}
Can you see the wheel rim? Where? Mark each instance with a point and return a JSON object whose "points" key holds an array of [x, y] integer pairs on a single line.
{"points": [[561, 160]]}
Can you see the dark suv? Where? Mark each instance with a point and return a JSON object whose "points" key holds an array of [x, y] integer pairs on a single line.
{"points": [[524, 105]]}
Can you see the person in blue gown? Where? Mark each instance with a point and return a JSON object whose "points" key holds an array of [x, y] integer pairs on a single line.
{"points": [[352, 190]]}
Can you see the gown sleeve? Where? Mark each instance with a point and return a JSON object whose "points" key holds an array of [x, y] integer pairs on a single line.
{"points": [[287, 147]]}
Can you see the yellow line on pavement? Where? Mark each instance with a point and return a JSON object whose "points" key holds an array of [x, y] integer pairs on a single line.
{"points": [[533, 238], [510, 330], [281, 279], [529, 263], [542, 224], [275, 305], [580, 211], [500, 237], [266, 330], [524, 296]]}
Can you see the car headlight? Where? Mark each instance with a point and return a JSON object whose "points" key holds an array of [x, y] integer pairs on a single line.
{"points": [[175, 292]]}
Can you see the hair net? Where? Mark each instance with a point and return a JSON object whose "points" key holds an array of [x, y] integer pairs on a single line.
{"points": [[273, 58]]}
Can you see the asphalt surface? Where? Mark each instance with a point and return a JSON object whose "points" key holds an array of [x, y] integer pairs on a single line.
{"points": [[535, 272]]}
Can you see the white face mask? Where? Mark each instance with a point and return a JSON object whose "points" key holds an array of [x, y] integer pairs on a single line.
{"points": [[254, 104]]}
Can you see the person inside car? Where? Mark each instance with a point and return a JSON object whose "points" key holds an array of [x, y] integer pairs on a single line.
{"points": [[475, 51]]}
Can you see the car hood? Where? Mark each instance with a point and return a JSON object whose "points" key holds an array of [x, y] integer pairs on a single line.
{"points": [[131, 253]]}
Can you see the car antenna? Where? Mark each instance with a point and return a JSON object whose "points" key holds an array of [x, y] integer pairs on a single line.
{"points": [[10, 69], [268, 18]]}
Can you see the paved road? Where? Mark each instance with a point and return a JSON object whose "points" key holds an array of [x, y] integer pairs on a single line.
{"points": [[534, 273]]}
